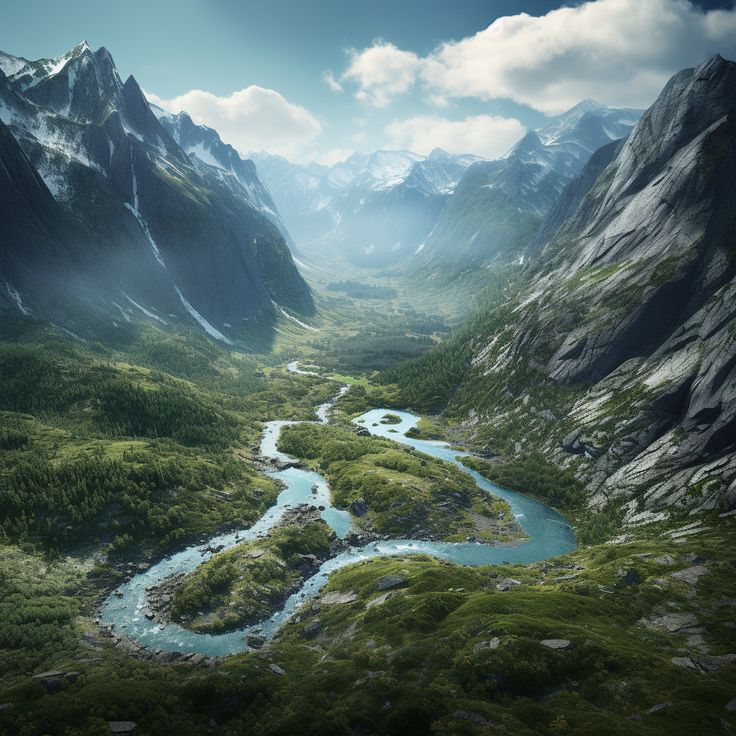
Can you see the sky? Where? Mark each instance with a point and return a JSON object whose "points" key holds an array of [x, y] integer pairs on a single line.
{"points": [[319, 79]]}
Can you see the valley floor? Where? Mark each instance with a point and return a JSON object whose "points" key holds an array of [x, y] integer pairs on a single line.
{"points": [[631, 635]]}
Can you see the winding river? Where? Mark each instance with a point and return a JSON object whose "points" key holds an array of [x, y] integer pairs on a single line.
{"points": [[549, 535]]}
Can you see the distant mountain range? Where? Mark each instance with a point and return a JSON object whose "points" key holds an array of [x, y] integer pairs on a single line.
{"points": [[111, 214], [382, 208], [372, 208], [498, 205]]}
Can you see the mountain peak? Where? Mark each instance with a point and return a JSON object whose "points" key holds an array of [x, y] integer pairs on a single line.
{"points": [[80, 48], [438, 154], [713, 66]]}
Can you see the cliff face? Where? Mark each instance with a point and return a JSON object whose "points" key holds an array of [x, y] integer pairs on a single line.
{"points": [[630, 304], [117, 221]]}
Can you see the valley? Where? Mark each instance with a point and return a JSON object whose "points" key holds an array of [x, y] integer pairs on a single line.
{"points": [[408, 443]]}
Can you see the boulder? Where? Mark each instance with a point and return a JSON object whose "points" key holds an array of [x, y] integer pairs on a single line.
{"points": [[122, 726], [665, 560], [660, 706], [690, 575], [490, 644], [387, 582], [339, 598], [715, 662], [507, 584], [560, 645], [312, 629], [359, 507], [276, 669], [671, 622], [631, 577], [379, 600]]}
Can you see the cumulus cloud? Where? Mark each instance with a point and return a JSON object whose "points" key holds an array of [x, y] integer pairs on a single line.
{"points": [[249, 119], [331, 81], [334, 156], [485, 135], [620, 52], [381, 72]]}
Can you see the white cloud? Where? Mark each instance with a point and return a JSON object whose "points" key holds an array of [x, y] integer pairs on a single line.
{"points": [[334, 156], [331, 81], [249, 119], [438, 101], [381, 72], [485, 135], [620, 52]]}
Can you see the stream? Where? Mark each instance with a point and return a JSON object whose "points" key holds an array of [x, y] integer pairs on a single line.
{"points": [[549, 535]]}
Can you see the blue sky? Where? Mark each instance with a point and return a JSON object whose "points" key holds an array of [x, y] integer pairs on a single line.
{"points": [[414, 73]]}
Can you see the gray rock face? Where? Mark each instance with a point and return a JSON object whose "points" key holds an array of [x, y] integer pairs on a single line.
{"points": [[108, 220], [632, 299]]}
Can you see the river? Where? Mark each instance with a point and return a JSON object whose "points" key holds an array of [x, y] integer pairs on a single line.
{"points": [[549, 535]]}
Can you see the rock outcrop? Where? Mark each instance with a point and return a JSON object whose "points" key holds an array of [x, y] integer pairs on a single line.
{"points": [[630, 308]]}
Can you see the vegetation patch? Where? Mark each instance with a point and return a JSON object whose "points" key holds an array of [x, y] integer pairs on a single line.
{"points": [[404, 493], [246, 584]]}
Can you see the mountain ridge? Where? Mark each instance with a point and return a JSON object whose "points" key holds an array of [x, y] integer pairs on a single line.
{"points": [[616, 357], [165, 235]]}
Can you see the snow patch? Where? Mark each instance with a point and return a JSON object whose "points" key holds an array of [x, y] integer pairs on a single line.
{"points": [[15, 296], [294, 319], [206, 326], [145, 311]]}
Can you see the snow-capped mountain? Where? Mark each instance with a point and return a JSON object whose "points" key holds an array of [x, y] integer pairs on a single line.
{"points": [[497, 205], [373, 208], [137, 221], [214, 158]]}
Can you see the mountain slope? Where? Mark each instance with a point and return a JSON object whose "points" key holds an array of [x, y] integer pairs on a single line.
{"points": [[617, 358], [214, 159], [498, 205], [165, 238]]}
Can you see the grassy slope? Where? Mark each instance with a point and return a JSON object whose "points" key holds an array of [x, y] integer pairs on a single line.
{"points": [[418, 662]]}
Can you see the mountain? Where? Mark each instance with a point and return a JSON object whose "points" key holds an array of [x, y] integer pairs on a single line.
{"points": [[213, 158], [122, 222], [498, 205], [373, 208], [616, 358]]}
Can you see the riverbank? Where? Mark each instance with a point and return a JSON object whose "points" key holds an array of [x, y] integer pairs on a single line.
{"points": [[125, 610]]}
